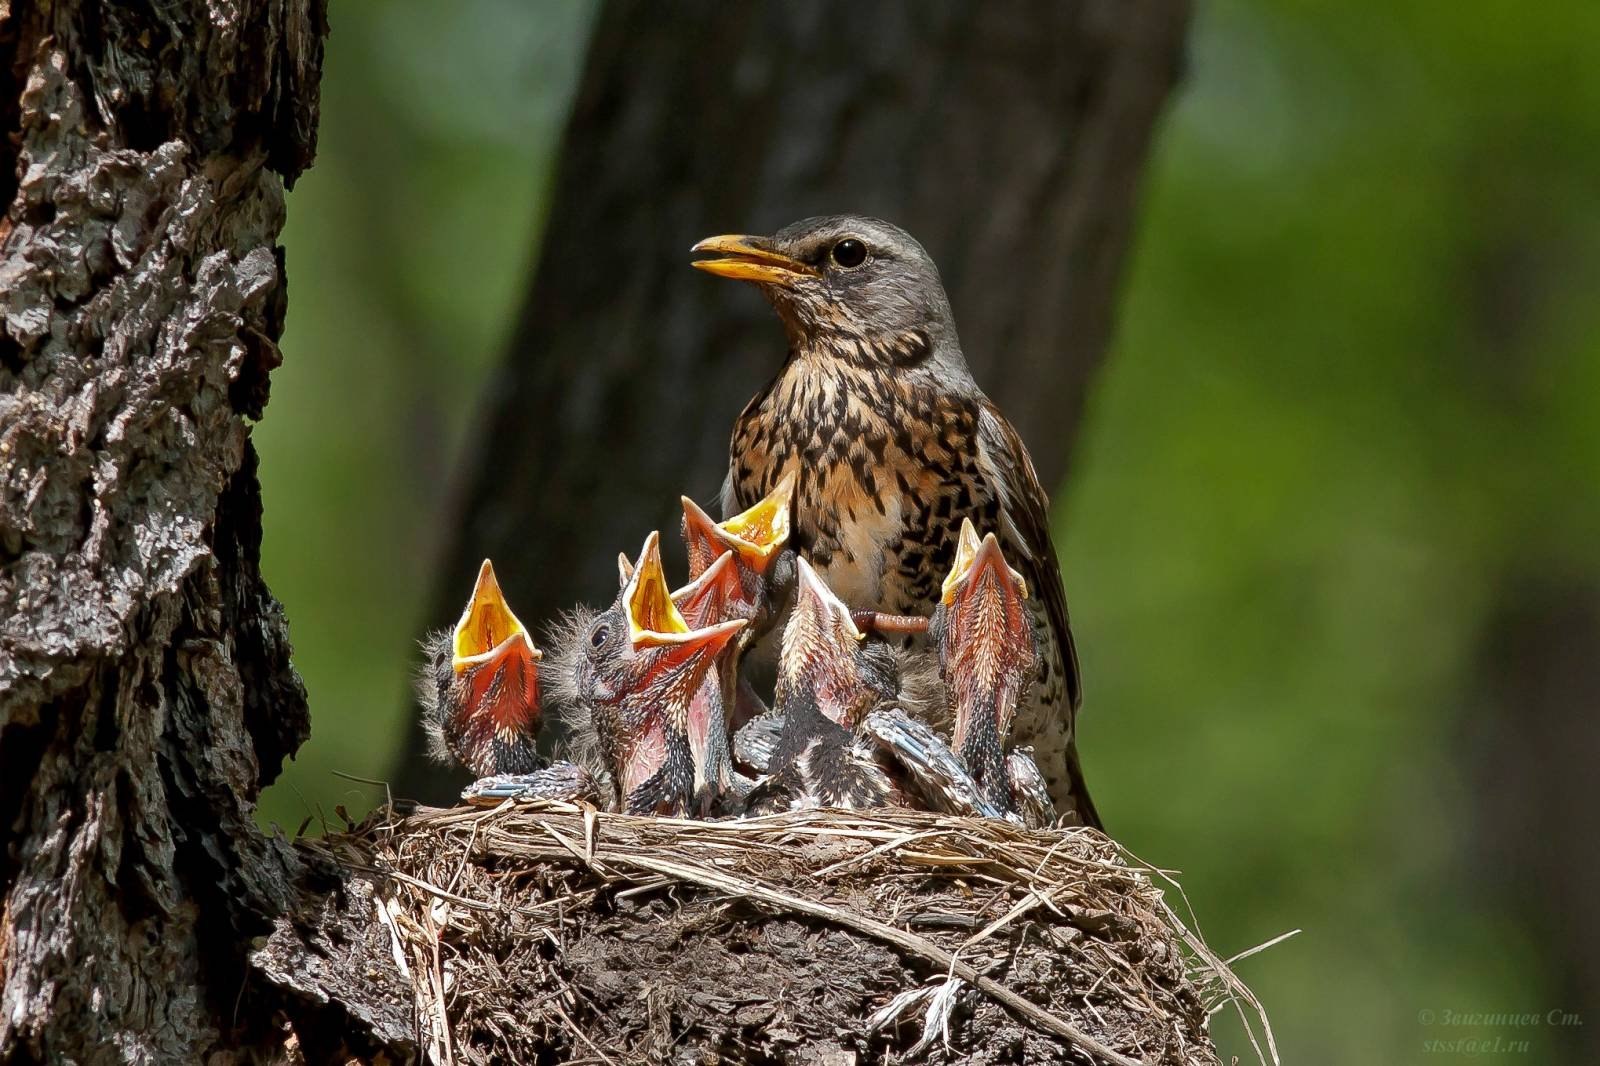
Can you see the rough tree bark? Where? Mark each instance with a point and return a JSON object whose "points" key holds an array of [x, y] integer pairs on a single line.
{"points": [[146, 694], [1009, 138]]}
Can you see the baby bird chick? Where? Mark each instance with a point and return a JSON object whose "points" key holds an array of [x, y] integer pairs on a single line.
{"points": [[716, 595], [845, 740], [987, 644], [753, 546], [480, 687], [758, 539], [629, 675], [479, 690]]}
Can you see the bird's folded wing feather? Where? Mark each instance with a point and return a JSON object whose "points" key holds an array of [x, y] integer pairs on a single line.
{"points": [[944, 783], [754, 745], [559, 781], [1025, 533]]}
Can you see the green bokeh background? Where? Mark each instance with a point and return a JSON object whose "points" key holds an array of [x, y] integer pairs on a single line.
{"points": [[1353, 397]]}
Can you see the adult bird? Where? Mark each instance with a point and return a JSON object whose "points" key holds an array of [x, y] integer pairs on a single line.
{"points": [[892, 443]]}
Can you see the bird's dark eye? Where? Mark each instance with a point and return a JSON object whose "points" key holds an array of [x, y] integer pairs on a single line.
{"points": [[849, 252], [597, 638]]}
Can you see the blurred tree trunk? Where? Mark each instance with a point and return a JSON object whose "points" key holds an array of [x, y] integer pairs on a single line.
{"points": [[146, 694], [1009, 138], [1531, 738]]}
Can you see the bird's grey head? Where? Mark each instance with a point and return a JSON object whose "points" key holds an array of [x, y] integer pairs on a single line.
{"points": [[859, 287]]}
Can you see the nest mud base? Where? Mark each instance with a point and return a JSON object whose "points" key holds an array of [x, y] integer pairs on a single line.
{"points": [[548, 933]]}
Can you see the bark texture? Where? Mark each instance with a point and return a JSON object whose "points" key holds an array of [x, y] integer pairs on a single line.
{"points": [[146, 694], [1008, 138]]}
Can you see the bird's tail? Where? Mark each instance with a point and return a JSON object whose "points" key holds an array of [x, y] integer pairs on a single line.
{"points": [[1084, 806]]}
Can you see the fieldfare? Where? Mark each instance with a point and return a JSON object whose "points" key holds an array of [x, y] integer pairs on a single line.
{"points": [[891, 443], [479, 690], [754, 546]]}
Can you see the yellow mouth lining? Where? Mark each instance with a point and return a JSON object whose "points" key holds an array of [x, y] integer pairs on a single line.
{"points": [[966, 552], [764, 528], [969, 549], [487, 626], [756, 534], [652, 615]]}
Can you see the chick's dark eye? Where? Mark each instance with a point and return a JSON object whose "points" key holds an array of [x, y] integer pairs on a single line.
{"points": [[597, 638], [850, 252]]}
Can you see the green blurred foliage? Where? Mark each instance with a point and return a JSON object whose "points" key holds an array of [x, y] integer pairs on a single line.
{"points": [[1355, 390], [1355, 385], [409, 245]]}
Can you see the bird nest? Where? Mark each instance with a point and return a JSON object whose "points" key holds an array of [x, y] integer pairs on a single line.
{"points": [[546, 932]]}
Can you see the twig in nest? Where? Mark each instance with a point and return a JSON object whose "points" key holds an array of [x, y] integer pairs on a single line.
{"points": [[1074, 944]]}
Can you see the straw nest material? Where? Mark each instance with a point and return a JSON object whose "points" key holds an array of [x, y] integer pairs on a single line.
{"points": [[552, 933]]}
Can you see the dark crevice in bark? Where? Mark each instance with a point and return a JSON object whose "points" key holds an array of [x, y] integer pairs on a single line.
{"points": [[11, 362], [267, 678], [22, 746], [11, 77]]}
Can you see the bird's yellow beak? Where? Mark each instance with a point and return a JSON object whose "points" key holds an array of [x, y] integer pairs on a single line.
{"points": [[757, 535], [747, 258], [974, 558], [705, 599], [488, 631], [654, 621]]}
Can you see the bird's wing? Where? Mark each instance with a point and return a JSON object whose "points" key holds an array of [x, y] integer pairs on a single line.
{"points": [[1025, 529], [944, 784], [565, 781], [754, 745]]}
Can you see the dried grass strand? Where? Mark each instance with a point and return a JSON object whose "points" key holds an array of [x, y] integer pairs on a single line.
{"points": [[1078, 891]]}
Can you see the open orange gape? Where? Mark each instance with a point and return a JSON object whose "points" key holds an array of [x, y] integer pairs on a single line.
{"points": [[656, 715]]}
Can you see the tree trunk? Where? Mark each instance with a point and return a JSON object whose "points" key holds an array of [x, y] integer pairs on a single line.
{"points": [[1008, 138], [146, 694], [1530, 738]]}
